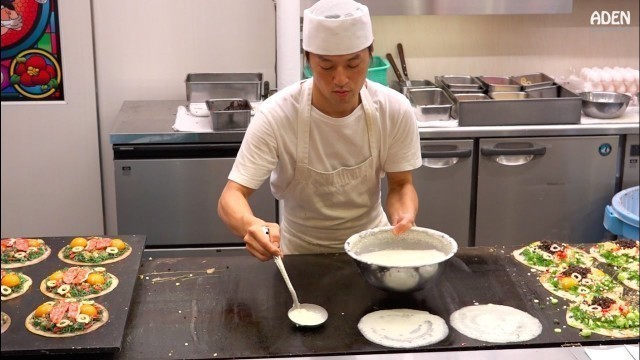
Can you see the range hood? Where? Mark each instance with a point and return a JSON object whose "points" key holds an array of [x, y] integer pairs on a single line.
{"points": [[461, 7]]}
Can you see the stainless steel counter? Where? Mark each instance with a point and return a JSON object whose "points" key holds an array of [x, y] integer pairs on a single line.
{"points": [[149, 122]]}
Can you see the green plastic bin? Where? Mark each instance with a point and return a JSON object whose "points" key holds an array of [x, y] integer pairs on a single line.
{"points": [[377, 70]]}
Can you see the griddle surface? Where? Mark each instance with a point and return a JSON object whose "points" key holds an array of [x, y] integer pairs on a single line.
{"points": [[240, 309]]}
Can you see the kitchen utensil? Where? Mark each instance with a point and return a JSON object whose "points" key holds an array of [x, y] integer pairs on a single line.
{"points": [[395, 69], [499, 84], [229, 114], [430, 104], [604, 105], [403, 63], [308, 315], [533, 81], [413, 274], [508, 95]]}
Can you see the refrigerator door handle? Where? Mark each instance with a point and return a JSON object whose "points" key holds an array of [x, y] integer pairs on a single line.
{"points": [[513, 153], [441, 156]]}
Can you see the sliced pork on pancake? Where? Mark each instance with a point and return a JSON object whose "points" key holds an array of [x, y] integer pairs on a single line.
{"points": [[79, 282], [19, 252], [94, 250], [65, 318], [495, 323]]}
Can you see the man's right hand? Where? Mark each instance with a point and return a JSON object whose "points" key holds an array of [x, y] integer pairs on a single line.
{"points": [[263, 246]]}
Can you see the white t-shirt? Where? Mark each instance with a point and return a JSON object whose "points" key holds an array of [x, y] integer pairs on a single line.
{"points": [[270, 141]]}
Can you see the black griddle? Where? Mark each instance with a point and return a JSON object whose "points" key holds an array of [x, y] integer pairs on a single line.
{"points": [[17, 340], [242, 312]]}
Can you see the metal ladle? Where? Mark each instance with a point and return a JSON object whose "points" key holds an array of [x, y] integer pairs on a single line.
{"points": [[308, 315]]}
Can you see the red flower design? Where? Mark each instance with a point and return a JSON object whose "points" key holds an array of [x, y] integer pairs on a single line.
{"points": [[35, 71]]}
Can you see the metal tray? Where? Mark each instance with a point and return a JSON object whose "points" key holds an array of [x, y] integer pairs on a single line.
{"points": [[552, 91], [17, 340], [204, 86], [513, 95], [459, 82], [533, 81], [499, 84], [405, 86], [430, 104], [565, 109], [228, 120]]}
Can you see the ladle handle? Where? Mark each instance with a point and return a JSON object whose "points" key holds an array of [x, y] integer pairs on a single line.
{"points": [[280, 266], [395, 68], [403, 61]]}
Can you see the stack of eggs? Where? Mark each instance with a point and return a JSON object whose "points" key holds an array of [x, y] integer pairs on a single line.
{"points": [[617, 79]]}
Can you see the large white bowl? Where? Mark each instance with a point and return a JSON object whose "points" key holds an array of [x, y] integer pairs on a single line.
{"points": [[400, 277]]}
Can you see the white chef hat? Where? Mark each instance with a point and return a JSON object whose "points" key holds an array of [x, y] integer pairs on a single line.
{"points": [[336, 27]]}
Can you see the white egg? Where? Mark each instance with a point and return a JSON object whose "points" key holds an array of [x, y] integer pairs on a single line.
{"points": [[595, 76], [610, 87], [618, 75], [633, 89], [628, 76], [606, 77], [621, 88], [598, 87], [584, 72]]}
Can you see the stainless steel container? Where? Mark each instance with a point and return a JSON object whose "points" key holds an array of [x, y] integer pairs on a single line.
{"points": [[204, 86], [604, 105], [224, 116], [545, 92], [471, 97], [565, 109], [533, 81], [459, 82], [430, 104], [515, 95], [499, 84], [407, 85], [405, 277]]}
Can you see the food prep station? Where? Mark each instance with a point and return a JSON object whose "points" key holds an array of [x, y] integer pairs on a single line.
{"points": [[206, 297]]}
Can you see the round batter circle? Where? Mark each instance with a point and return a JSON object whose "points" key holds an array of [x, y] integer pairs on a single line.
{"points": [[403, 328], [495, 323]]}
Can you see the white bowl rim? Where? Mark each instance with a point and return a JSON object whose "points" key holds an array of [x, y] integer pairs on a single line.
{"points": [[454, 244]]}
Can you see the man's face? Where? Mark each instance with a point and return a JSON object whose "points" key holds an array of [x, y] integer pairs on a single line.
{"points": [[337, 80]]}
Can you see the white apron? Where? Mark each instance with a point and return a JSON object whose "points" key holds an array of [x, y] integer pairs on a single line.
{"points": [[322, 209]]}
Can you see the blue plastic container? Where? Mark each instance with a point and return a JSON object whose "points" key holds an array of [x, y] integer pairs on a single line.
{"points": [[621, 217]]}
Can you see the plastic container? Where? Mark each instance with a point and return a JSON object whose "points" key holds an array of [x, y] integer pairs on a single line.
{"points": [[621, 217], [377, 70]]}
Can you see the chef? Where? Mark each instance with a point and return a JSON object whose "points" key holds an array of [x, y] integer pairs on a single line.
{"points": [[326, 143]]}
